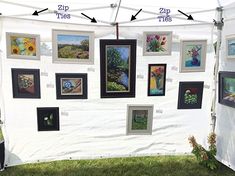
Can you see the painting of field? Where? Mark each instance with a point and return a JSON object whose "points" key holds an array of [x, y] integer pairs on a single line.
{"points": [[139, 119], [73, 46], [118, 66]]}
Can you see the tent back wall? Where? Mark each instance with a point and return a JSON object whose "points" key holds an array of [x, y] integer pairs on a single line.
{"points": [[97, 127]]}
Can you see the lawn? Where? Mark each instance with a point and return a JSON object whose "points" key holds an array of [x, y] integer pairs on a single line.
{"points": [[139, 166]]}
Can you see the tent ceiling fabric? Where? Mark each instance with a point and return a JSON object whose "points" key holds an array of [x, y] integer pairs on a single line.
{"points": [[105, 15]]}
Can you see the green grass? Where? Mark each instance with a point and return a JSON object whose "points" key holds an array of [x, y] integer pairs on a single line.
{"points": [[1, 136], [140, 166]]}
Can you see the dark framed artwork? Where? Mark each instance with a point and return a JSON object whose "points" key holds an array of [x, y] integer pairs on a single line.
{"points": [[227, 88], [26, 83], [156, 79], [117, 68], [48, 119], [71, 85], [190, 95]]}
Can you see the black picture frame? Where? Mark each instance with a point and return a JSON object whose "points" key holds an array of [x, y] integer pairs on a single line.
{"points": [[190, 95], [161, 73], [123, 79], [26, 83], [225, 88], [71, 80], [48, 118]]}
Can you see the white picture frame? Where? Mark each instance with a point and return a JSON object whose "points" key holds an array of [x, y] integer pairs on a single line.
{"points": [[136, 119], [193, 56], [72, 39], [230, 47], [157, 36], [23, 46]]}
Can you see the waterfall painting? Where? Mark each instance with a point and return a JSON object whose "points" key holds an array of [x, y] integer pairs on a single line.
{"points": [[193, 55], [156, 79], [118, 65]]}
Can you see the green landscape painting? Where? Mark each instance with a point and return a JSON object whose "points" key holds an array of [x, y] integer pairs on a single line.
{"points": [[118, 67], [139, 119], [73, 46]]}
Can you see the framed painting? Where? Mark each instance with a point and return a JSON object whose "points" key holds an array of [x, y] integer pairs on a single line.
{"points": [[139, 119], [157, 43], [48, 119], [26, 83], [190, 95], [73, 46], [71, 85], [227, 88], [193, 55], [23, 46], [156, 79], [230, 47], [117, 68]]}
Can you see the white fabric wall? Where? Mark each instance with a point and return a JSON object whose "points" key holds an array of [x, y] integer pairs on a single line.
{"points": [[225, 126], [97, 127]]}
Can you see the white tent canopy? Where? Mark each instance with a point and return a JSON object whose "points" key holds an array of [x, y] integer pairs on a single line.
{"points": [[96, 127]]}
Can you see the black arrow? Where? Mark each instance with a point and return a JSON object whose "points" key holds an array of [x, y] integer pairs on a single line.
{"points": [[133, 17], [37, 12], [189, 16], [93, 20]]}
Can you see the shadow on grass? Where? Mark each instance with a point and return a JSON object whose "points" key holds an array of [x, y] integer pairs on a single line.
{"points": [[141, 166]]}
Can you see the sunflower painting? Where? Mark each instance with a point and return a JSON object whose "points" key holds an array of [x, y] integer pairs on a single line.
{"points": [[24, 46]]}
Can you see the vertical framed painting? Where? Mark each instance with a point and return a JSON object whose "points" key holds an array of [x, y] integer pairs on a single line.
{"points": [[190, 95], [48, 119], [230, 47], [156, 79], [73, 46], [71, 85], [117, 68], [227, 88], [26, 83], [157, 43], [139, 119], [23, 46], [193, 55]]}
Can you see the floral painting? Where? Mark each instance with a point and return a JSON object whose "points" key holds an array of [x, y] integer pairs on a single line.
{"points": [[157, 43], [23, 46], [118, 62], [193, 55], [26, 83], [190, 95], [157, 76], [139, 119], [71, 86]]}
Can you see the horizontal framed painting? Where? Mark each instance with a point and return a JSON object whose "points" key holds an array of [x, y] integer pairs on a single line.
{"points": [[193, 55], [71, 85], [227, 88], [26, 83], [48, 119], [156, 79], [139, 119], [117, 68], [190, 95], [73, 46], [23, 46], [230, 46], [157, 43]]}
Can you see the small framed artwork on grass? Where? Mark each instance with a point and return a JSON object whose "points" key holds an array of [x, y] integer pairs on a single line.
{"points": [[156, 79], [26, 83], [190, 95], [193, 55], [48, 119], [71, 85], [230, 47], [117, 68], [227, 88], [157, 43], [139, 119], [23, 46], [73, 46]]}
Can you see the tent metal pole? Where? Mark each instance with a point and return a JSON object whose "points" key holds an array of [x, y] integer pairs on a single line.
{"points": [[115, 19], [219, 24]]}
